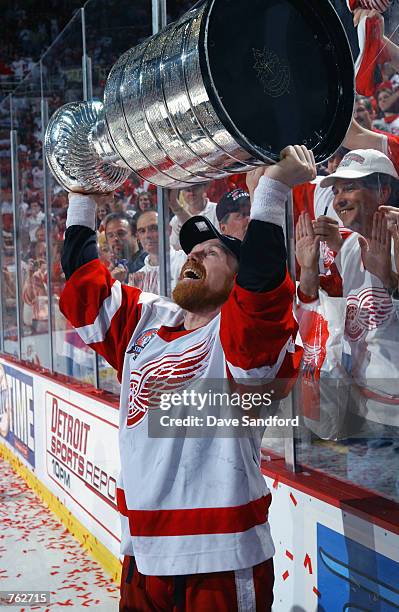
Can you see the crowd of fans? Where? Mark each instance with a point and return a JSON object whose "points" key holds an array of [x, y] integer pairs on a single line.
{"points": [[128, 234], [27, 29], [383, 105]]}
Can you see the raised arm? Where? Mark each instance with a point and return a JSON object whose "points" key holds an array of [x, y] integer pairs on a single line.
{"points": [[263, 261], [258, 328], [181, 216], [102, 310], [389, 46], [358, 137], [80, 243]]}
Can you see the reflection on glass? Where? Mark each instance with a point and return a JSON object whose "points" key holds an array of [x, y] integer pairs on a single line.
{"points": [[32, 238], [7, 228], [347, 251], [348, 394], [62, 67], [113, 27], [62, 83]]}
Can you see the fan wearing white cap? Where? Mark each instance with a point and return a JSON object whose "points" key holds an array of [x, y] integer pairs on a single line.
{"points": [[367, 275], [360, 184]]}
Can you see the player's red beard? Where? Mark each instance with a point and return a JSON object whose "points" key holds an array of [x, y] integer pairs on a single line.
{"points": [[196, 296]]}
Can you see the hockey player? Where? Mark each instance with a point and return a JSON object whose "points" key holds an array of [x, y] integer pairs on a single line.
{"points": [[195, 533]]}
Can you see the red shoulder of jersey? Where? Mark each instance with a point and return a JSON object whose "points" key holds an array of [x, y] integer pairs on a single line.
{"points": [[258, 332], [102, 310]]}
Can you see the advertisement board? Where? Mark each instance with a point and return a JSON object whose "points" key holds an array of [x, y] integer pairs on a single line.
{"points": [[82, 457], [70, 440], [353, 576], [328, 558], [17, 419]]}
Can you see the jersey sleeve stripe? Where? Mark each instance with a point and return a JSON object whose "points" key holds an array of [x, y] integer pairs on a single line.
{"points": [[96, 332], [195, 521], [262, 373]]}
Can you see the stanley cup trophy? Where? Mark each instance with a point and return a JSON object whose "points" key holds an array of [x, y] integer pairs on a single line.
{"points": [[222, 90]]}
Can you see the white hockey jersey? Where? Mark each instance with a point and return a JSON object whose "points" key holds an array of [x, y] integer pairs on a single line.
{"points": [[188, 505], [372, 332], [369, 339]]}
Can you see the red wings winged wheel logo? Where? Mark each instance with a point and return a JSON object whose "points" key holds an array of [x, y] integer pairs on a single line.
{"points": [[164, 375], [366, 311]]}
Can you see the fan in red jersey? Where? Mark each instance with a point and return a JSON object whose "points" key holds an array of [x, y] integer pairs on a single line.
{"points": [[387, 108], [375, 48], [195, 534], [360, 135]]}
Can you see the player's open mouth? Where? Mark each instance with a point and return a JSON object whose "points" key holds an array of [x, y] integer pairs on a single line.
{"points": [[191, 274]]}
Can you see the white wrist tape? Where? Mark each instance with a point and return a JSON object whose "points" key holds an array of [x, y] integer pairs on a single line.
{"points": [[269, 201], [81, 210]]}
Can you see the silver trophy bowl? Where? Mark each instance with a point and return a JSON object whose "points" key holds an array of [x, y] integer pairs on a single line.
{"points": [[221, 91], [72, 155]]}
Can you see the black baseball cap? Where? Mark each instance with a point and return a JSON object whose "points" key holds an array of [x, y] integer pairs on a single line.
{"points": [[199, 229], [231, 202]]}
